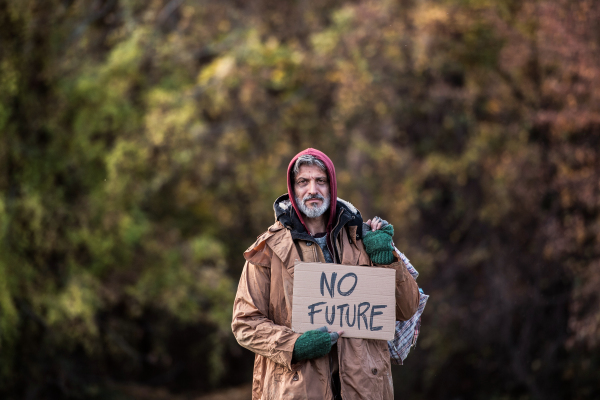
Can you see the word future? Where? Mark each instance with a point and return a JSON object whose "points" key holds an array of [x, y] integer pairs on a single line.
{"points": [[331, 290], [358, 300]]}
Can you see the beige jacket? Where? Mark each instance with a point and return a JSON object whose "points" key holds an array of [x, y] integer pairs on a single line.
{"points": [[262, 314]]}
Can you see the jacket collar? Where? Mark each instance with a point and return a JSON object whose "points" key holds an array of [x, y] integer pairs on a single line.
{"points": [[346, 214]]}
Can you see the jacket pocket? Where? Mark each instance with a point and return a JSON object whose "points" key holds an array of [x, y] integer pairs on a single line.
{"points": [[365, 368], [288, 385], [379, 357]]}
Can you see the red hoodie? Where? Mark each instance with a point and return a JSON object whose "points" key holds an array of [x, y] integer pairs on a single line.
{"points": [[332, 185]]}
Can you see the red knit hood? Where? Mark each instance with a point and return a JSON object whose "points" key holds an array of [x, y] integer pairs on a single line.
{"points": [[332, 185]]}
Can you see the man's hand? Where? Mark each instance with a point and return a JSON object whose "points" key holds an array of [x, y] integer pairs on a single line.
{"points": [[334, 335], [377, 238], [376, 224], [314, 344]]}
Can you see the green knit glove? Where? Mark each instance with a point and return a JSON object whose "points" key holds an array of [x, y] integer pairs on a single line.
{"points": [[379, 245], [312, 344]]}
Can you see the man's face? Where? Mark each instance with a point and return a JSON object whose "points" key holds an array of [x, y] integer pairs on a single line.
{"points": [[311, 189]]}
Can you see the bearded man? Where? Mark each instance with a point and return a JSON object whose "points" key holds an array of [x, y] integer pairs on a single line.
{"points": [[314, 225]]}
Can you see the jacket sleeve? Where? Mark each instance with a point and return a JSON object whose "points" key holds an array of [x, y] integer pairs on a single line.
{"points": [[407, 291], [251, 326]]}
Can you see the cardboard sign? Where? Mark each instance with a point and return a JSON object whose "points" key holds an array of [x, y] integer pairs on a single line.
{"points": [[360, 301]]}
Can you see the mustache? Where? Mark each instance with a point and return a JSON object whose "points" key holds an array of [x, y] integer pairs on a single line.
{"points": [[312, 196]]}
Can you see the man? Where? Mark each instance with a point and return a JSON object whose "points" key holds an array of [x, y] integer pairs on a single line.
{"points": [[313, 225]]}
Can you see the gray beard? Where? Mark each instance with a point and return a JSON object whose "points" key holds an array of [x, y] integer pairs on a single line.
{"points": [[316, 211]]}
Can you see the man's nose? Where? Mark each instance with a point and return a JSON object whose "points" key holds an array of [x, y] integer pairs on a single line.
{"points": [[312, 187]]}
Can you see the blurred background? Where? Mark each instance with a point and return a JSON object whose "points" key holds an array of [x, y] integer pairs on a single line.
{"points": [[144, 142]]}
